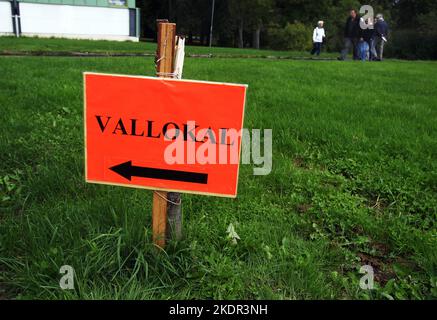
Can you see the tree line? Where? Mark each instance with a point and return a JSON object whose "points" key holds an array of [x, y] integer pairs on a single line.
{"points": [[287, 24]]}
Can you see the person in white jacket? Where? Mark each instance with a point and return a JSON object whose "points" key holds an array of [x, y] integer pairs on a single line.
{"points": [[318, 37]]}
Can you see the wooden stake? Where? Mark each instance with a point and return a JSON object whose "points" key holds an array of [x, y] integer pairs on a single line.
{"points": [[174, 203], [159, 218], [164, 68], [166, 49]]}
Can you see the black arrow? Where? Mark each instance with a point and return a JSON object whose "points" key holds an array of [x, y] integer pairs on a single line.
{"points": [[127, 170]]}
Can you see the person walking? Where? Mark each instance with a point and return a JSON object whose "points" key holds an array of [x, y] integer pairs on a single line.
{"points": [[351, 35], [380, 38], [318, 37]]}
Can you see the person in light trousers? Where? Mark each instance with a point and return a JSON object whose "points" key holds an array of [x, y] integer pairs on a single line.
{"points": [[380, 38]]}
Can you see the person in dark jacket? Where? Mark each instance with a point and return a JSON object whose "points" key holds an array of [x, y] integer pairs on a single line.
{"points": [[352, 36], [368, 35], [380, 38]]}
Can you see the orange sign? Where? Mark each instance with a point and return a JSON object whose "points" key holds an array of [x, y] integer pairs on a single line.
{"points": [[163, 134]]}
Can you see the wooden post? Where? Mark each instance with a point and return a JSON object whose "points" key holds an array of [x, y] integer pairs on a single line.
{"points": [[166, 212], [159, 218], [174, 204], [166, 49]]}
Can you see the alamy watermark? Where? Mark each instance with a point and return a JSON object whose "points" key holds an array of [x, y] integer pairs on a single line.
{"points": [[368, 18], [367, 282], [219, 147], [67, 280]]}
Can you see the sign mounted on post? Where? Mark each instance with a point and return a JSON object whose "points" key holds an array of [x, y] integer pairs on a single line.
{"points": [[163, 134]]}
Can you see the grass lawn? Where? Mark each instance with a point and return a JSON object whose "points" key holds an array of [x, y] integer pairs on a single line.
{"points": [[33, 45], [354, 182]]}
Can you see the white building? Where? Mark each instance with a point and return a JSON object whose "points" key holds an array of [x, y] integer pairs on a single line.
{"points": [[78, 19]]}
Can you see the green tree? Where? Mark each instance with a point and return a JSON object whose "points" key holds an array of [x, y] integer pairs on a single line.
{"points": [[239, 11], [259, 13]]}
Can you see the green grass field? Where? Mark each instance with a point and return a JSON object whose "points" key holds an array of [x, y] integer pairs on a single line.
{"points": [[354, 182], [53, 45]]}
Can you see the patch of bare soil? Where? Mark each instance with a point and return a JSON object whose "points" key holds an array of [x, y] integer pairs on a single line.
{"points": [[304, 207], [380, 262], [299, 162]]}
